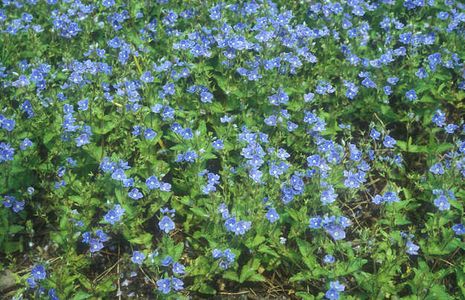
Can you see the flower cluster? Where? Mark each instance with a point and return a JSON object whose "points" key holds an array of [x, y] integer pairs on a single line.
{"points": [[167, 284], [95, 242], [333, 225], [11, 202], [226, 258]]}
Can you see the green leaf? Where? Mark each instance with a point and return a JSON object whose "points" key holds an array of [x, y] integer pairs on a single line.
{"points": [[307, 254]]}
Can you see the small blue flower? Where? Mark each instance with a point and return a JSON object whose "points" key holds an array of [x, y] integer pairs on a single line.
{"points": [[390, 197], [332, 294], [31, 282], [164, 285], [152, 183], [315, 223], [82, 140], [442, 203], [218, 144], [374, 134], [412, 249], [83, 105], [439, 118], [138, 257], [179, 268], [437, 169], [411, 95], [272, 215], [335, 231], [206, 97], [102, 236], [166, 224], [114, 215], [8, 124], [118, 174], [328, 196], [52, 294], [217, 253], [177, 284], [459, 229], [38, 272], [149, 134], [334, 289], [26, 143], [389, 142], [377, 199], [95, 245], [329, 259], [18, 206], [135, 194], [108, 3], [168, 260], [451, 128]]}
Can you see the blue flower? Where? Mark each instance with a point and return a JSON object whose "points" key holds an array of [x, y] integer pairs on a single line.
{"points": [[272, 215], [18, 206], [83, 105], [217, 253], [82, 140], [329, 259], [218, 144], [108, 3], [390, 197], [334, 289], [439, 118], [135, 194], [147, 77], [313, 160], [38, 272], [389, 142], [95, 245], [328, 196], [411, 95], [450, 128], [31, 282], [164, 285], [412, 249], [8, 124], [114, 215], [8, 201], [229, 255], [102, 236], [206, 97], [315, 223], [6, 152], [118, 174], [179, 268], [166, 224], [149, 134], [177, 284], [168, 260], [442, 203], [437, 169], [52, 294], [226, 257], [377, 199], [459, 229], [374, 134], [335, 231], [332, 294], [152, 183], [434, 59], [26, 143], [138, 257]]}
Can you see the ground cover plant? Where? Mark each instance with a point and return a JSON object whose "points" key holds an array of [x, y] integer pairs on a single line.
{"points": [[242, 149]]}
